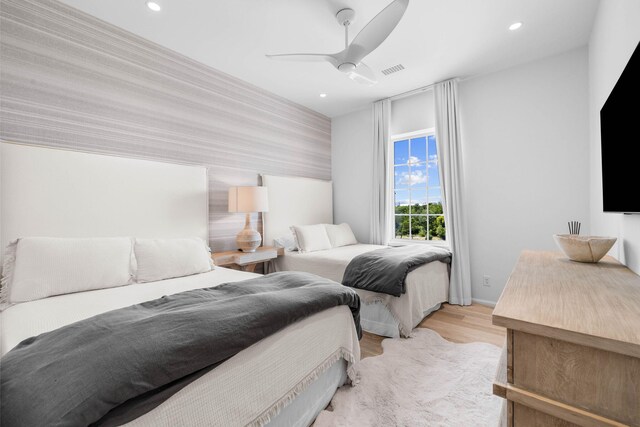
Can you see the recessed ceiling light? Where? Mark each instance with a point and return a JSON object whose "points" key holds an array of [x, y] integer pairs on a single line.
{"points": [[153, 6], [515, 26], [323, 95]]}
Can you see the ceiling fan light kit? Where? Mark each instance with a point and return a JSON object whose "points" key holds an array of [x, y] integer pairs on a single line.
{"points": [[347, 67], [349, 60]]}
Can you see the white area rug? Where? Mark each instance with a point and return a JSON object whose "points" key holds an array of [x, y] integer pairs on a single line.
{"points": [[424, 380]]}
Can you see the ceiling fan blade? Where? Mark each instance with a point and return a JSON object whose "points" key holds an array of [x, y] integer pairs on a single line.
{"points": [[376, 31], [363, 74], [305, 57]]}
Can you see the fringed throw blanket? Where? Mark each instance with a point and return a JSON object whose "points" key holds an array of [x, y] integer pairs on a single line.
{"points": [[384, 270], [115, 366]]}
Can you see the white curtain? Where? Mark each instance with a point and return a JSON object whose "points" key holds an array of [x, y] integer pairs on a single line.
{"points": [[380, 201], [451, 174]]}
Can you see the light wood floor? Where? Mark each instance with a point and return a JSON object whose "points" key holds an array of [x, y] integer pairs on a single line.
{"points": [[454, 323]]}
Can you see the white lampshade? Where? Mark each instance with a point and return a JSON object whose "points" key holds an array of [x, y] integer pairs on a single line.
{"points": [[248, 199]]}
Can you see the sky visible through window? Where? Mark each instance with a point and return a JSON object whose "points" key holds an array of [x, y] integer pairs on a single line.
{"points": [[422, 171], [417, 189]]}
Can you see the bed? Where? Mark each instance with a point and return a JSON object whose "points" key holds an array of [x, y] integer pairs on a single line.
{"points": [[284, 379], [258, 386], [426, 288], [303, 201]]}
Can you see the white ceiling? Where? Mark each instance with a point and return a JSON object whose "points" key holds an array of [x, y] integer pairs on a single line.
{"points": [[435, 40]]}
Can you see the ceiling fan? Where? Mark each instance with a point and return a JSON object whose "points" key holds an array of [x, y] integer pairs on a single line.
{"points": [[366, 41]]}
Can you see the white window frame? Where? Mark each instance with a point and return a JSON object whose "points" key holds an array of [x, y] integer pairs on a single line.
{"points": [[390, 170]]}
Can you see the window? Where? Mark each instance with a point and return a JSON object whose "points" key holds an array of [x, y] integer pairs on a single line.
{"points": [[417, 193]]}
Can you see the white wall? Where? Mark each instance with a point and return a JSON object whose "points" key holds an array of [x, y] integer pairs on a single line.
{"points": [[526, 160], [615, 34], [526, 152], [351, 170], [413, 113], [352, 156]]}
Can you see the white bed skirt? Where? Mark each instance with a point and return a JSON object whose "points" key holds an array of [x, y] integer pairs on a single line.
{"points": [[304, 409], [377, 319]]}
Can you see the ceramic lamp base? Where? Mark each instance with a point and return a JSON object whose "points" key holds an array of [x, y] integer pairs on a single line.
{"points": [[248, 240]]}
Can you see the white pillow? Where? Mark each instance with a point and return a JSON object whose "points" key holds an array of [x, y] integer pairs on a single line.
{"points": [[310, 238], [288, 242], [160, 259], [47, 266], [340, 235]]}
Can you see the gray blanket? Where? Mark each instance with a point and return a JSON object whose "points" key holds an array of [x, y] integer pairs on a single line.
{"points": [[384, 270], [76, 375]]}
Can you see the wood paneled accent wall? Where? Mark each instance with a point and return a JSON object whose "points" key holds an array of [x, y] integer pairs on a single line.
{"points": [[71, 81]]}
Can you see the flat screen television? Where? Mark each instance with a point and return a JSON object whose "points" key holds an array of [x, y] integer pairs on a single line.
{"points": [[620, 139]]}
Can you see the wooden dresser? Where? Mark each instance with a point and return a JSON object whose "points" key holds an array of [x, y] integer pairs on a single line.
{"points": [[572, 355]]}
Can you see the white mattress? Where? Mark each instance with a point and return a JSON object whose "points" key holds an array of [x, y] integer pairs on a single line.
{"points": [[426, 288], [251, 388]]}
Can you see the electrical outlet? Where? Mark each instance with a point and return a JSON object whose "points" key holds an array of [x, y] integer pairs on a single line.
{"points": [[486, 281]]}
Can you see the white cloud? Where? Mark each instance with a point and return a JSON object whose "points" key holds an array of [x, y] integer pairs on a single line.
{"points": [[413, 159], [416, 177]]}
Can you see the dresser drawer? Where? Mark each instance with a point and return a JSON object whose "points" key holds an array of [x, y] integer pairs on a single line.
{"points": [[591, 379]]}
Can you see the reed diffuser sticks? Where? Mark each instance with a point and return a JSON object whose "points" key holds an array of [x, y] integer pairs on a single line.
{"points": [[574, 227]]}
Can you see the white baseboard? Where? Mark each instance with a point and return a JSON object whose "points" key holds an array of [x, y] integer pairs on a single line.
{"points": [[483, 302]]}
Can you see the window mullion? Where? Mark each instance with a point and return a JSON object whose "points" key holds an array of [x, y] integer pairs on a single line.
{"points": [[425, 217]]}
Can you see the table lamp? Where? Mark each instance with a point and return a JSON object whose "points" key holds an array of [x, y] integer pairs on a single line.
{"points": [[248, 200]]}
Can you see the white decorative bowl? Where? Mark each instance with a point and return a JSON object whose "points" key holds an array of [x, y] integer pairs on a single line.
{"points": [[584, 248]]}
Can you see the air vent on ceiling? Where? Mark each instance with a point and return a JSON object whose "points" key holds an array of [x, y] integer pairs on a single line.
{"points": [[393, 69]]}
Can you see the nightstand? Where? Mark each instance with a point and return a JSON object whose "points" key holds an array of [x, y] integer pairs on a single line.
{"points": [[246, 261]]}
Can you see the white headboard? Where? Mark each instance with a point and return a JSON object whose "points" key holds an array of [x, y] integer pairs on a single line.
{"points": [[295, 201], [59, 193]]}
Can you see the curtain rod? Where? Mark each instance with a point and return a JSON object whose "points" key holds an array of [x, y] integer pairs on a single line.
{"points": [[416, 91], [409, 93]]}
